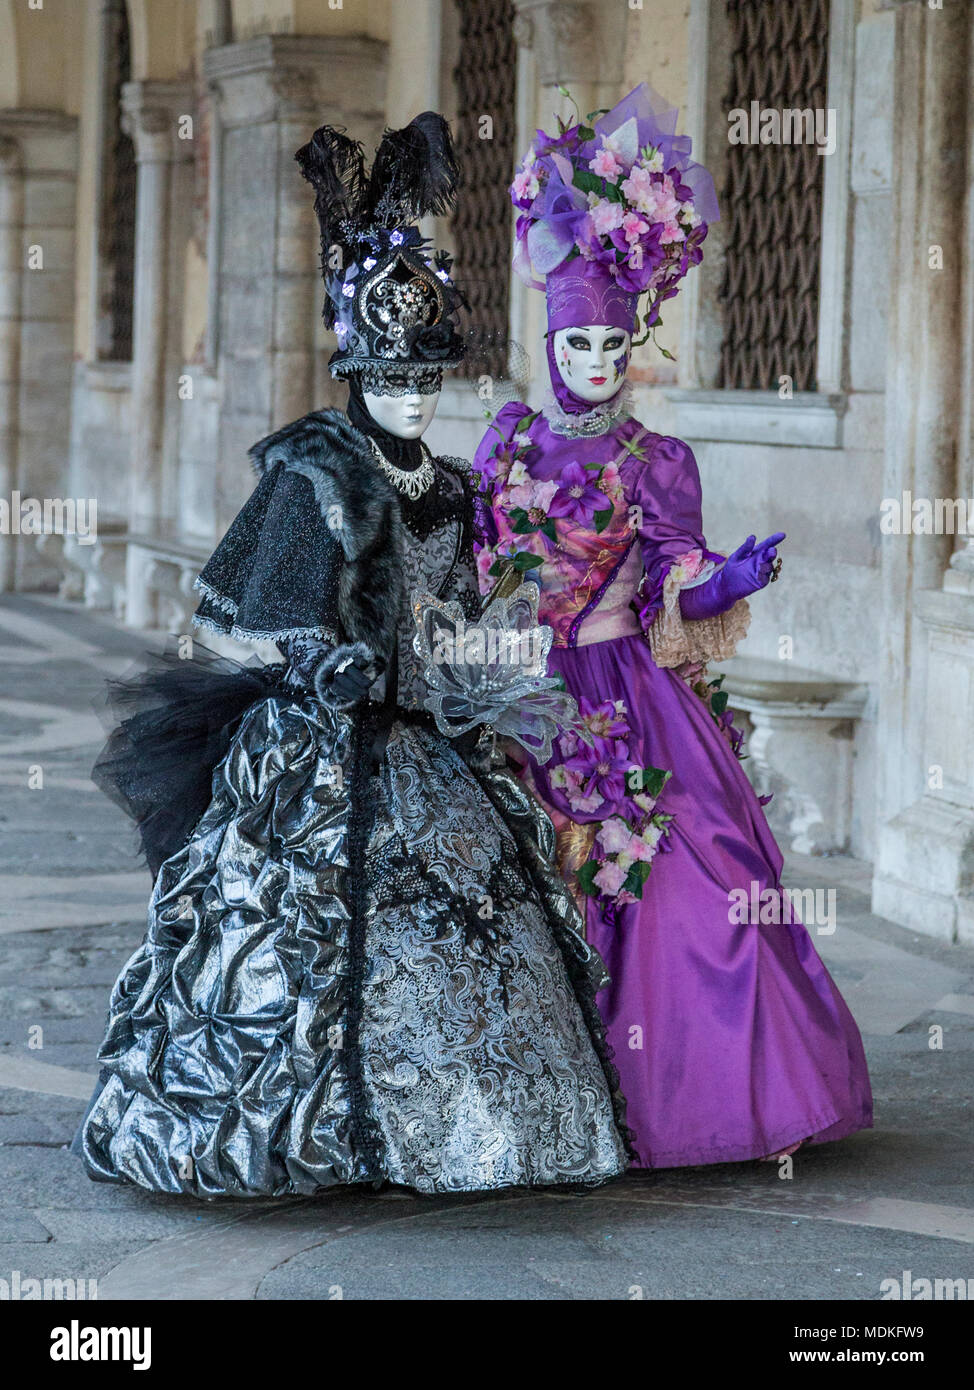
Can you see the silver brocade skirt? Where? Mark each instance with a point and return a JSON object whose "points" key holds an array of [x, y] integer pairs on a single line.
{"points": [[352, 978]]}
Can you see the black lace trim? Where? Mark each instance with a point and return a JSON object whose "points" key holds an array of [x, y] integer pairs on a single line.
{"points": [[442, 503], [465, 561], [406, 882]]}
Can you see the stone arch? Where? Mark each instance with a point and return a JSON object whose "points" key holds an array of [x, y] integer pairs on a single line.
{"points": [[41, 57], [163, 38]]}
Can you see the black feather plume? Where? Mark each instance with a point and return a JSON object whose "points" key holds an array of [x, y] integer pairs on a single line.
{"points": [[334, 165], [415, 172]]}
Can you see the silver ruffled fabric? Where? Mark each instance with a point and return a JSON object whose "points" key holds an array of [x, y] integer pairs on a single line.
{"points": [[317, 1002]]}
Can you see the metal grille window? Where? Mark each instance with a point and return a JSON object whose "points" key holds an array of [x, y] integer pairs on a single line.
{"points": [[772, 200], [485, 79], [117, 229]]}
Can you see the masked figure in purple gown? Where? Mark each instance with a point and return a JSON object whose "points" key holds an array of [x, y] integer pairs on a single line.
{"points": [[731, 1038]]}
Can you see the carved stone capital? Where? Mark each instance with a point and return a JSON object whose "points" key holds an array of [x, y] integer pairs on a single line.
{"points": [[151, 115], [308, 79], [573, 40], [44, 141], [523, 29]]}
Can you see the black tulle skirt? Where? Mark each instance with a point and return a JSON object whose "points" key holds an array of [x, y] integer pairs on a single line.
{"points": [[171, 725]]}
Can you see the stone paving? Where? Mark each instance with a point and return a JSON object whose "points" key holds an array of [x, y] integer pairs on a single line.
{"points": [[72, 903]]}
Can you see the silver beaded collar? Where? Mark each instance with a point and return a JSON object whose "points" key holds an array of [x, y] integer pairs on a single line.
{"points": [[599, 420], [412, 482]]}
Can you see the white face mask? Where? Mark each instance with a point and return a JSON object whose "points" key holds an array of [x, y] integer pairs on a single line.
{"points": [[592, 361], [407, 417]]}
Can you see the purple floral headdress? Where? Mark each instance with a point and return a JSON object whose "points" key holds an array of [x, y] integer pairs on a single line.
{"points": [[611, 211]]}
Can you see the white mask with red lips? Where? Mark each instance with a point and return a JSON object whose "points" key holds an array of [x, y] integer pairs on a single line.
{"points": [[592, 361]]}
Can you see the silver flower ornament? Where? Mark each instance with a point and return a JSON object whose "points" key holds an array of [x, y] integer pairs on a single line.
{"points": [[493, 671]]}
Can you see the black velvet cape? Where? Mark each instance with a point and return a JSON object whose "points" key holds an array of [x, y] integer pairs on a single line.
{"points": [[320, 561]]}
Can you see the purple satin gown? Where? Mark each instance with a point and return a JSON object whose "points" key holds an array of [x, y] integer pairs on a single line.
{"points": [[731, 1039]]}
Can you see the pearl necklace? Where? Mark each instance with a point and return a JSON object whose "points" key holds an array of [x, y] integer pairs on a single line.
{"points": [[413, 482], [599, 420]]}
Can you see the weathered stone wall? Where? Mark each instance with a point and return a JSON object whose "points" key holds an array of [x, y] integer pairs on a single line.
{"points": [[228, 301]]}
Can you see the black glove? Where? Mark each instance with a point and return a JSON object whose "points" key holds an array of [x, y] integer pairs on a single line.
{"points": [[345, 675], [350, 685]]}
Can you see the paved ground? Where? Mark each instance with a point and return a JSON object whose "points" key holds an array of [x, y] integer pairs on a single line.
{"points": [[72, 902]]}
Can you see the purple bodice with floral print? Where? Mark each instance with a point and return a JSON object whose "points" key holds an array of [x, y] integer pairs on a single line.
{"points": [[608, 518]]}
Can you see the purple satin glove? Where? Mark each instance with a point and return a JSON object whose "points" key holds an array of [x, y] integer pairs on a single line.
{"points": [[743, 573]]}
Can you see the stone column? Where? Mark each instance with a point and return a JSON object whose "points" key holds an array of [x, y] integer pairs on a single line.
{"points": [[38, 170], [414, 69], [960, 577], [273, 91], [11, 266], [924, 876], [578, 44], [581, 45], [151, 113]]}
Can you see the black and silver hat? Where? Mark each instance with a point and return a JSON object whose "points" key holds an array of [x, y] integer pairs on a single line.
{"points": [[388, 297]]}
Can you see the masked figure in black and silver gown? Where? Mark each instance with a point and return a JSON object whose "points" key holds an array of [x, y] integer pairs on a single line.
{"points": [[360, 964]]}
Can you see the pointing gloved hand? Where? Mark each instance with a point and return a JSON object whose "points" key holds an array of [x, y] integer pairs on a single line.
{"points": [[750, 568]]}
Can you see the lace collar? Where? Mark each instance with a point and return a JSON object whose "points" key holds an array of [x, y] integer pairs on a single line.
{"points": [[599, 420]]}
